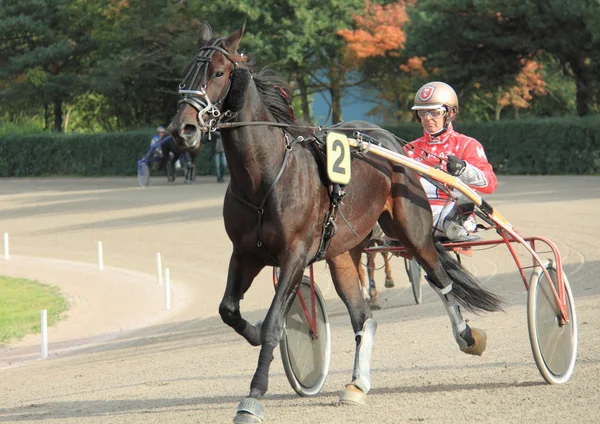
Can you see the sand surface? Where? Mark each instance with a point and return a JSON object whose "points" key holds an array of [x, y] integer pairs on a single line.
{"points": [[120, 357]]}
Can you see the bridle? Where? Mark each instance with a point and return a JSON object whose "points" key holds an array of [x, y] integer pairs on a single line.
{"points": [[199, 99]]}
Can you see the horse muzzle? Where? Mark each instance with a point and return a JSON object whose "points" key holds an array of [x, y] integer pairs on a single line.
{"points": [[187, 136]]}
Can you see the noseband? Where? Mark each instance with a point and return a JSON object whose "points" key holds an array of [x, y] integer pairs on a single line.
{"points": [[199, 99]]}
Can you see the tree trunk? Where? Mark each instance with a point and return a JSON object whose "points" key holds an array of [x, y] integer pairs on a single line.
{"points": [[67, 116], [58, 119], [584, 83], [497, 111], [46, 116], [336, 91], [304, 99]]}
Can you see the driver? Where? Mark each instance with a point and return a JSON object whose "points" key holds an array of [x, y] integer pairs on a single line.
{"points": [[160, 135], [436, 106]]}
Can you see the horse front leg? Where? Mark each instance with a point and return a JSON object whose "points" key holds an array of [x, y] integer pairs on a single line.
{"points": [[344, 276], [242, 271], [250, 409], [362, 278]]}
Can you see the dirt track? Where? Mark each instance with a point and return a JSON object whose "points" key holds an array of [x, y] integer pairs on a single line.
{"points": [[121, 358]]}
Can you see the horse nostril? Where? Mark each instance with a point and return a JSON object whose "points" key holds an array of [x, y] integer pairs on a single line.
{"points": [[187, 131]]}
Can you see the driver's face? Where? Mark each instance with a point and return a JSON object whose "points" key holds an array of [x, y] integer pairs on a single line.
{"points": [[431, 124]]}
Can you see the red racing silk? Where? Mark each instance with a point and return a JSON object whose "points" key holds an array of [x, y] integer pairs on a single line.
{"points": [[478, 174]]}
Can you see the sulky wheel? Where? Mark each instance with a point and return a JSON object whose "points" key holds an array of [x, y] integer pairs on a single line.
{"points": [[413, 270], [554, 344], [305, 357], [143, 174]]}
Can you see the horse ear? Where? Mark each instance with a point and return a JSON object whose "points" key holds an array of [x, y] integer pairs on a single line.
{"points": [[233, 41], [205, 34]]}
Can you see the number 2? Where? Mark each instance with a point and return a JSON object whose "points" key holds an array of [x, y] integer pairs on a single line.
{"points": [[337, 145]]}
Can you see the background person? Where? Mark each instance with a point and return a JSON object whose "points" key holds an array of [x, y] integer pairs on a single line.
{"points": [[219, 155]]}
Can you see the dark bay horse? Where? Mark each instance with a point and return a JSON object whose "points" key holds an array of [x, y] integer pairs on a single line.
{"points": [[170, 152], [275, 207]]}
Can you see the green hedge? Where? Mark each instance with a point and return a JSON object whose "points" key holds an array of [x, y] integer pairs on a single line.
{"points": [[110, 154], [532, 146], [535, 146]]}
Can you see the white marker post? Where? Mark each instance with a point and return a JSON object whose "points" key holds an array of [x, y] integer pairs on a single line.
{"points": [[44, 330], [159, 269], [100, 257], [167, 289], [6, 254]]}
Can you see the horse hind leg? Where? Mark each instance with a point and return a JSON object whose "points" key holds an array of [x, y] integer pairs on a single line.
{"points": [[449, 279], [343, 274], [465, 290], [455, 287]]}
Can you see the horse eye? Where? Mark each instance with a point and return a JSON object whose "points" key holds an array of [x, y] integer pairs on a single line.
{"points": [[219, 74]]}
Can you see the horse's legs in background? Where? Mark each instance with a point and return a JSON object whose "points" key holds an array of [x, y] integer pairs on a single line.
{"points": [[373, 300], [190, 175], [171, 158], [242, 271], [189, 166], [343, 270], [292, 268], [389, 280]]}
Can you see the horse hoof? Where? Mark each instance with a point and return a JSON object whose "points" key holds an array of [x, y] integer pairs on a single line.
{"points": [[352, 395], [389, 283], [478, 347], [249, 411], [245, 418], [374, 304]]}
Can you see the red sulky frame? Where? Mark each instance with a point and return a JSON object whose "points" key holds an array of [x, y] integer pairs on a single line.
{"points": [[506, 231]]}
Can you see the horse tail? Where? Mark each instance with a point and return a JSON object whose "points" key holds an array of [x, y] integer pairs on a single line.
{"points": [[466, 289]]}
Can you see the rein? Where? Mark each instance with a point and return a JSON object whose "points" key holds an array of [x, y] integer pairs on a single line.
{"points": [[201, 102], [369, 140]]}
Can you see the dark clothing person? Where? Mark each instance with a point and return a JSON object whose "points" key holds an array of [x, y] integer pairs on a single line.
{"points": [[219, 155]]}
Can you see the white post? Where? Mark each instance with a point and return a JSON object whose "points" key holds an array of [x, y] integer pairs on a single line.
{"points": [[100, 258], [44, 329], [6, 255], [167, 290], [159, 269]]}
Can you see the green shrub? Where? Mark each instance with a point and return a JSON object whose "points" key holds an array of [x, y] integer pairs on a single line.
{"points": [[109, 154], [533, 146]]}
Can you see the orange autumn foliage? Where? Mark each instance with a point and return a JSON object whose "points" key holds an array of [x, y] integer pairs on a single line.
{"points": [[379, 30], [115, 7], [528, 82]]}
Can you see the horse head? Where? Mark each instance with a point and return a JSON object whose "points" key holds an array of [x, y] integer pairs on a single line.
{"points": [[206, 84]]}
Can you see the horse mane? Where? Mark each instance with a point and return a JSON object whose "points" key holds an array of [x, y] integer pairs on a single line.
{"points": [[274, 91], [275, 94]]}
